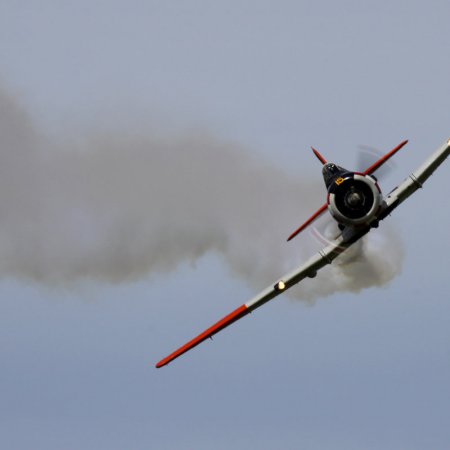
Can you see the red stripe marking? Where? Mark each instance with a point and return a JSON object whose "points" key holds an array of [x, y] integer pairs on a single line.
{"points": [[311, 219], [382, 160], [220, 325]]}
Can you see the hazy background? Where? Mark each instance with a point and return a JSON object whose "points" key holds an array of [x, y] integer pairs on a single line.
{"points": [[154, 156]]}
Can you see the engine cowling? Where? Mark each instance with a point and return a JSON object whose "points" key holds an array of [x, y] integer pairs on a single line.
{"points": [[354, 199]]}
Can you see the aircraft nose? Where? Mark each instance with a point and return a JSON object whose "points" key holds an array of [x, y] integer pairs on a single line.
{"points": [[355, 199]]}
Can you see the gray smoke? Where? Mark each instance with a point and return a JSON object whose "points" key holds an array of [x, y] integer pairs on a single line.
{"points": [[117, 207]]}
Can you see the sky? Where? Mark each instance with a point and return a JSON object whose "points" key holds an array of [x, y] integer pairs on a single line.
{"points": [[154, 158]]}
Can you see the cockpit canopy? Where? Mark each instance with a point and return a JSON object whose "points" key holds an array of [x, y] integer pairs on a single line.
{"points": [[332, 171]]}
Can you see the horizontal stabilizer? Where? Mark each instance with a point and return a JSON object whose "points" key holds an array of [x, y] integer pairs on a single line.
{"points": [[320, 211], [370, 170]]}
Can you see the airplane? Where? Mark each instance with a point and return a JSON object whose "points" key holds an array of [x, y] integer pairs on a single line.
{"points": [[356, 202]]}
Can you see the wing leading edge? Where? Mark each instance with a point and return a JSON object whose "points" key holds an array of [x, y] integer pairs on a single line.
{"points": [[416, 180], [308, 269]]}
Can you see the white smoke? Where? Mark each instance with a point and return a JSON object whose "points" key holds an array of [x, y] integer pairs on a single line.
{"points": [[116, 207]]}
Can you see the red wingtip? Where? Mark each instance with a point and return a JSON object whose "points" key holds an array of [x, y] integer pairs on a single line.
{"points": [[319, 156], [220, 325]]}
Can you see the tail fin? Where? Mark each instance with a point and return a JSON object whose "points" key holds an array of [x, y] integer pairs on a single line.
{"points": [[319, 156]]}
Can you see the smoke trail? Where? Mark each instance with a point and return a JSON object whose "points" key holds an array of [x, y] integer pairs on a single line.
{"points": [[117, 208]]}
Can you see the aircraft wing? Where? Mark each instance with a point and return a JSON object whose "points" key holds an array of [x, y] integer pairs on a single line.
{"points": [[415, 180], [308, 269]]}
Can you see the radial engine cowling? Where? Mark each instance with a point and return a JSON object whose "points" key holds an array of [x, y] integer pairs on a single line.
{"points": [[354, 199]]}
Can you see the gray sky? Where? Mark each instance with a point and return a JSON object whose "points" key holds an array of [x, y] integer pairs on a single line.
{"points": [[263, 81]]}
